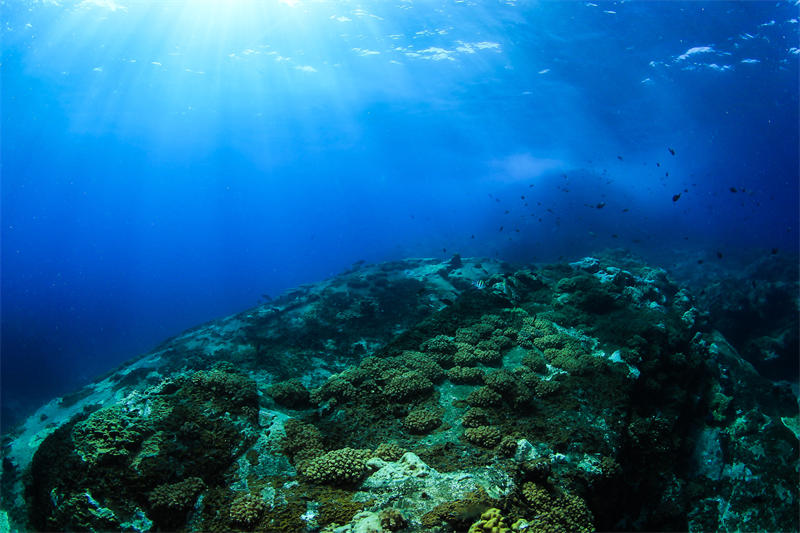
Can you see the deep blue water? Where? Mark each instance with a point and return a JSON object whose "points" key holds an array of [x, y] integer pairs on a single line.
{"points": [[167, 163]]}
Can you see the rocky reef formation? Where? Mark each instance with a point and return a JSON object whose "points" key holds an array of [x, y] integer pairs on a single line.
{"points": [[420, 395]]}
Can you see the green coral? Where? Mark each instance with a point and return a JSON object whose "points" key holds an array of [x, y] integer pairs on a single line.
{"points": [[466, 336], [465, 356], [337, 388], [389, 451], [108, 434], [341, 467], [535, 361], [302, 440], [483, 436], [246, 510], [484, 397], [475, 417], [408, 386], [485, 352], [441, 348], [493, 521], [466, 375], [564, 512], [422, 420], [422, 363], [502, 381], [289, 393], [224, 390], [177, 497]]}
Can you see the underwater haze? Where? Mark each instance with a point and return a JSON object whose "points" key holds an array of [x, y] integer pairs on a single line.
{"points": [[165, 163]]}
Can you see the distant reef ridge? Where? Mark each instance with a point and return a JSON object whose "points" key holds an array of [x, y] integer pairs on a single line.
{"points": [[426, 395]]}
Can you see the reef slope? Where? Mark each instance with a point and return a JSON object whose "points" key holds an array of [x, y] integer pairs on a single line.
{"points": [[423, 395]]}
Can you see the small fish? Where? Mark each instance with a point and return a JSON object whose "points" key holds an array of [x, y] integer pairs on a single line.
{"points": [[676, 197], [699, 261], [671, 151], [480, 284], [733, 189], [625, 210], [619, 157], [601, 205], [774, 251], [658, 164], [472, 237], [719, 255], [501, 228], [507, 212]]}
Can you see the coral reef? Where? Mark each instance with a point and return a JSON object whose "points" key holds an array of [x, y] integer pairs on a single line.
{"points": [[338, 467], [483, 436], [246, 510], [422, 420], [290, 393], [565, 397]]}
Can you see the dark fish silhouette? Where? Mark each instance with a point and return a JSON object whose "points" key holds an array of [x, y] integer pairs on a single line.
{"points": [[733, 189], [719, 255], [676, 197], [619, 157], [601, 205], [671, 151]]}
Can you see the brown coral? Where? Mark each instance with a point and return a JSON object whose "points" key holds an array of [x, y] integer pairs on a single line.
{"points": [[247, 509]]}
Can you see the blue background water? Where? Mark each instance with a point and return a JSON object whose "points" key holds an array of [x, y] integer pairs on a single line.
{"points": [[167, 163]]}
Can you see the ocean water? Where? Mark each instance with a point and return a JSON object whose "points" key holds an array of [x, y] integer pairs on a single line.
{"points": [[168, 163]]}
